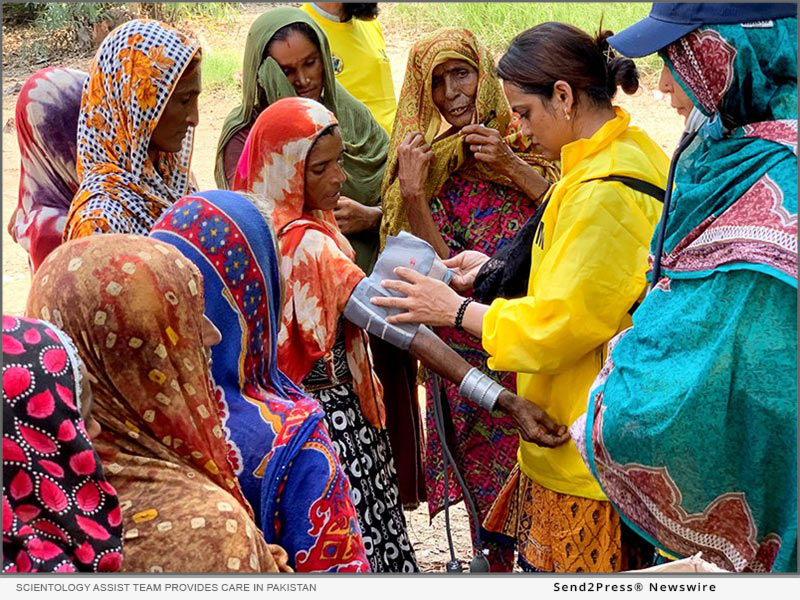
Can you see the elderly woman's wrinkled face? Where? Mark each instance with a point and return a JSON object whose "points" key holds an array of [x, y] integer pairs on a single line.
{"points": [[180, 113], [301, 62], [678, 97], [324, 173], [541, 121], [454, 85]]}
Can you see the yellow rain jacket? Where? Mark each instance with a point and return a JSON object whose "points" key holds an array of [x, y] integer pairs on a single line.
{"points": [[588, 267]]}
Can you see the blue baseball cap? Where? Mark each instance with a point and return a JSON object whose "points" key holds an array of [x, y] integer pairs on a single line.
{"points": [[668, 22]]}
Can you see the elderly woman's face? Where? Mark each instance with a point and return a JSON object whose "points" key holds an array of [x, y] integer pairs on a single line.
{"points": [[301, 62], [678, 98], [454, 85], [325, 176], [541, 121], [180, 113]]}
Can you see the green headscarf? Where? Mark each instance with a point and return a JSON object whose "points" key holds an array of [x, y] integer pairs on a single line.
{"points": [[366, 144], [745, 78]]}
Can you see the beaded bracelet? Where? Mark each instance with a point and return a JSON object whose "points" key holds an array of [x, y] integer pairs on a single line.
{"points": [[460, 314]]}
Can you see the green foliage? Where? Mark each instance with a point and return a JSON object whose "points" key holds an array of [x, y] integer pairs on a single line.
{"points": [[70, 15], [496, 23], [18, 13], [219, 68], [218, 12], [55, 28], [63, 15]]}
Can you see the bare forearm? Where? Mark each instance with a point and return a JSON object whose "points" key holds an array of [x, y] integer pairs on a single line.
{"points": [[527, 179], [432, 352], [373, 221], [473, 318], [422, 225], [534, 424]]}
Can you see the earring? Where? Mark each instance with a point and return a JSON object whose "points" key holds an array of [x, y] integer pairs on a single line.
{"points": [[566, 115]]}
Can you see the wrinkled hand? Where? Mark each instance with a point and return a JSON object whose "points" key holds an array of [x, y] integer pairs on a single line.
{"points": [[414, 159], [533, 423], [281, 558], [488, 146], [465, 266], [352, 216], [427, 300]]}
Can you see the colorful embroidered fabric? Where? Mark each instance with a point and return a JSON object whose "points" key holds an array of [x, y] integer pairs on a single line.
{"points": [[735, 202], [134, 307], [277, 442], [366, 454], [416, 112], [691, 425], [59, 512], [557, 532], [47, 123], [473, 209], [130, 82], [482, 216], [317, 261]]}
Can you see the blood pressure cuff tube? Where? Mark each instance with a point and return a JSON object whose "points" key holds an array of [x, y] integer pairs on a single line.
{"points": [[404, 250]]}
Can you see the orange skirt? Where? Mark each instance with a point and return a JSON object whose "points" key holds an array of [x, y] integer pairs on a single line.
{"points": [[557, 532]]}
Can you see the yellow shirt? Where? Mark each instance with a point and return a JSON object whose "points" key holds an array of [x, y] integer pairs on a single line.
{"points": [[588, 267], [361, 64]]}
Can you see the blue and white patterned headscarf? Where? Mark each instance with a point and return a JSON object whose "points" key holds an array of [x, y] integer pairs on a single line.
{"points": [[130, 82]]}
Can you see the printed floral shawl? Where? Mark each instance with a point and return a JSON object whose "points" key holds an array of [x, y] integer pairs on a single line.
{"points": [[416, 112], [691, 424], [134, 307], [130, 82], [47, 113], [277, 441], [317, 261]]}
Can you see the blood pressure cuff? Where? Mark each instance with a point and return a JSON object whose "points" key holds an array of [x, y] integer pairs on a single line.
{"points": [[404, 250]]}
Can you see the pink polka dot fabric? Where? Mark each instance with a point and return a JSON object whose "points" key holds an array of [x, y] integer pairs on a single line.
{"points": [[59, 512]]}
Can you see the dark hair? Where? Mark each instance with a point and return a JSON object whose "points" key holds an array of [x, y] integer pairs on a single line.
{"points": [[298, 27], [193, 64], [542, 55], [327, 131], [365, 11]]}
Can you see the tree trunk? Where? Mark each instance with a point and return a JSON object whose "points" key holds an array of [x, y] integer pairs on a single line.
{"points": [[150, 10]]}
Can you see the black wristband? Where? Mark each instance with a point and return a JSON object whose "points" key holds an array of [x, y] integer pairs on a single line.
{"points": [[460, 314]]}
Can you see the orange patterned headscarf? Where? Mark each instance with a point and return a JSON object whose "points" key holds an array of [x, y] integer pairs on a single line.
{"points": [[134, 308], [130, 82], [416, 112], [317, 260]]}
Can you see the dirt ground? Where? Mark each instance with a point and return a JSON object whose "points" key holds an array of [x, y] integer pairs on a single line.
{"points": [[649, 110]]}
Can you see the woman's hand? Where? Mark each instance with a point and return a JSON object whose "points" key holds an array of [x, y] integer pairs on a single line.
{"points": [[533, 423], [414, 158], [352, 216], [281, 558], [488, 146], [427, 300], [466, 266]]}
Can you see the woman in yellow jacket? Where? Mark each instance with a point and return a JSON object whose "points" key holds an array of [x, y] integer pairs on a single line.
{"points": [[589, 259]]}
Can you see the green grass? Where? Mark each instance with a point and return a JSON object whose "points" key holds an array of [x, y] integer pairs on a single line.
{"points": [[496, 23], [219, 67], [220, 13]]}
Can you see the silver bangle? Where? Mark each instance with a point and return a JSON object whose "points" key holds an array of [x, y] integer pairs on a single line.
{"points": [[480, 388]]}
